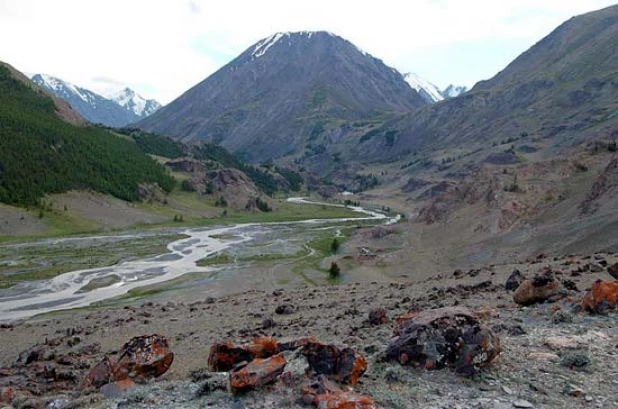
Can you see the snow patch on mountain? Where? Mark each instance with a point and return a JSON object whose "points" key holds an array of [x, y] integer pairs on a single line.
{"points": [[264, 45], [453, 91], [426, 89]]}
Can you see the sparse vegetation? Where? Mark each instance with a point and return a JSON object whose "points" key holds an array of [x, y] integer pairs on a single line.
{"points": [[334, 271]]}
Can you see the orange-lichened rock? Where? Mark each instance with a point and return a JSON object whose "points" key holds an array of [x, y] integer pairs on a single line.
{"points": [[602, 297], [140, 359], [256, 373]]}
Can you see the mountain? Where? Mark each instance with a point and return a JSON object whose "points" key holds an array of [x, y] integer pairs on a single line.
{"points": [[453, 91], [135, 103], [426, 89], [557, 95], [124, 108], [45, 148], [287, 94]]}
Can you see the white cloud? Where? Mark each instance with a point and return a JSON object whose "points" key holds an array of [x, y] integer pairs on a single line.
{"points": [[163, 47]]}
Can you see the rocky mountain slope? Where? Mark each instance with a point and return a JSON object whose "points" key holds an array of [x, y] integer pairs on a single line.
{"points": [[120, 109], [284, 93], [558, 94]]}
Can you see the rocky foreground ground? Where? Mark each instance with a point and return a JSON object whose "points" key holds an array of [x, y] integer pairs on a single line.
{"points": [[456, 340]]}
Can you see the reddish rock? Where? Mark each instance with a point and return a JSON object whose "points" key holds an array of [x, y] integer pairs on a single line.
{"points": [[613, 270], [343, 363], [325, 395], [443, 337], [224, 356], [144, 358], [263, 347], [539, 289], [291, 344], [256, 373], [602, 297], [102, 373], [141, 359], [378, 316]]}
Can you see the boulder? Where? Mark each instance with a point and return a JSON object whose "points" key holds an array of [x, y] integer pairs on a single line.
{"points": [[141, 359], [116, 389], [285, 309], [342, 363], [102, 373], [224, 356], [443, 337], [144, 358], [514, 280], [378, 317], [538, 289], [324, 394], [602, 297], [257, 373]]}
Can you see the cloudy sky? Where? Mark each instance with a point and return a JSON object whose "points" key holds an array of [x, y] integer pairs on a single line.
{"points": [[161, 48]]}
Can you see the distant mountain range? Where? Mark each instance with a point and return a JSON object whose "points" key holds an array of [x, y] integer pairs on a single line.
{"points": [[429, 92], [288, 94], [122, 108]]}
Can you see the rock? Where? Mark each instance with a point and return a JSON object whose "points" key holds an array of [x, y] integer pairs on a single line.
{"points": [[291, 344], [562, 317], [224, 356], [116, 389], [458, 273], [402, 320], [144, 358], [323, 394], [539, 289], [613, 270], [378, 317], [6, 394], [343, 363], [595, 268], [268, 322], [559, 343], [602, 297], [102, 373], [285, 309], [444, 337], [256, 373], [523, 404], [263, 347], [514, 280], [572, 390]]}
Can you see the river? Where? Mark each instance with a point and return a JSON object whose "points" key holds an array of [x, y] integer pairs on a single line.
{"points": [[63, 291]]}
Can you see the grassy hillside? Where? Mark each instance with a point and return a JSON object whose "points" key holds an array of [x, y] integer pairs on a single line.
{"points": [[41, 154]]}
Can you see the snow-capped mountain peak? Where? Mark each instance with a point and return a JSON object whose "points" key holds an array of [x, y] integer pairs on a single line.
{"points": [[426, 89], [134, 102]]}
